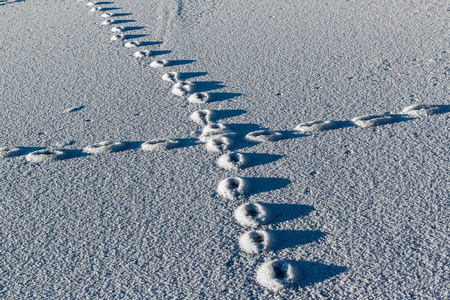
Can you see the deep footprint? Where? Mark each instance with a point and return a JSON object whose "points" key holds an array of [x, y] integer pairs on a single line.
{"points": [[104, 147], [263, 136], [276, 275], [251, 215], [232, 161], [232, 187], [254, 242], [157, 145]]}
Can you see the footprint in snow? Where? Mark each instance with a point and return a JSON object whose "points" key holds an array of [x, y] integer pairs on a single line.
{"points": [[104, 147], [232, 161], [181, 88], [107, 15], [96, 8], [117, 37], [214, 130], [159, 145], [117, 29], [108, 22], [232, 187], [90, 3], [315, 126], [373, 120], [45, 155], [263, 136], [159, 63], [171, 77], [202, 117], [132, 44], [141, 53], [276, 275], [218, 144], [198, 98], [420, 110], [9, 151], [251, 215], [254, 242]]}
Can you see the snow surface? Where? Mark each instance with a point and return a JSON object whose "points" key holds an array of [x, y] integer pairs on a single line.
{"points": [[357, 212]]}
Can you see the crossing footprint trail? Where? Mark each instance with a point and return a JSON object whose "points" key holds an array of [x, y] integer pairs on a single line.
{"points": [[222, 143]]}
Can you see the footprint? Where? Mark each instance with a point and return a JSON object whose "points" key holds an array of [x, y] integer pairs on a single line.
{"points": [[108, 22], [263, 136], [254, 242], [213, 130], [9, 151], [202, 117], [181, 88], [90, 3], [44, 156], [218, 144], [159, 63], [104, 147], [159, 145], [117, 29], [131, 44], [170, 77], [315, 126], [276, 275], [141, 53], [97, 8], [420, 110], [373, 120], [251, 215], [117, 37], [198, 98], [73, 109], [107, 15], [232, 161], [232, 187]]}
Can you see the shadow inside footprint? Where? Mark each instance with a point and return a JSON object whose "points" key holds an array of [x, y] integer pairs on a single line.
{"points": [[284, 212], [256, 159], [261, 185], [281, 239], [216, 97], [187, 75], [310, 273]]}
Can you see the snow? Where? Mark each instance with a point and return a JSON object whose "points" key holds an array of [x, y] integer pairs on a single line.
{"points": [[254, 242], [251, 215], [232, 187], [360, 213]]}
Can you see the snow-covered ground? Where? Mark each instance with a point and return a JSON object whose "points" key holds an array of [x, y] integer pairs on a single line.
{"points": [[304, 173]]}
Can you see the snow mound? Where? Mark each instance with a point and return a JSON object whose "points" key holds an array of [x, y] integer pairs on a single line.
{"points": [[90, 3], [275, 275], [372, 120], [315, 126], [251, 215], [202, 117], [159, 145], [213, 130], [420, 110], [44, 156], [170, 77], [107, 15], [9, 151], [263, 136], [181, 88], [104, 147], [254, 242], [159, 63], [231, 161], [218, 144], [232, 187], [141, 53], [131, 44], [97, 8], [117, 37], [198, 98]]}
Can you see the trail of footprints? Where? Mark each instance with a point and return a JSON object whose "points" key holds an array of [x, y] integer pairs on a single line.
{"points": [[219, 139]]}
